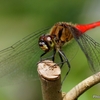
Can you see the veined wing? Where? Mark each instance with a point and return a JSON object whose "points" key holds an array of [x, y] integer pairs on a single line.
{"points": [[19, 61], [90, 48]]}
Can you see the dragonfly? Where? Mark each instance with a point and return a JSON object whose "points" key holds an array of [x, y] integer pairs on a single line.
{"points": [[62, 33], [19, 61]]}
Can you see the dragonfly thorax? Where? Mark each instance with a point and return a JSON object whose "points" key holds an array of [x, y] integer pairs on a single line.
{"points": [[61, 33]]}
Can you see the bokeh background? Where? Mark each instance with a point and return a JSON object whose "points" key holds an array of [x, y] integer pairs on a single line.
{"points": [[18, 18]]}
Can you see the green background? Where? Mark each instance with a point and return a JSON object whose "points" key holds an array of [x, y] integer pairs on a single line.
{"points": [[18, 18]]}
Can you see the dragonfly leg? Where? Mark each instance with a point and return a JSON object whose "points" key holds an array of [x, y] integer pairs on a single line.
{"points": [[62, 56], [51, 57], [62, 61], [42, 56]]}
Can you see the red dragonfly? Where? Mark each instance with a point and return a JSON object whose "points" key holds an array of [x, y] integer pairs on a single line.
{"points": [[64, 32], [17, 61]]}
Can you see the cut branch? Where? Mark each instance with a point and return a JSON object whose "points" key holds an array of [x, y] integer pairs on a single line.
{"points": [[50, 77]]}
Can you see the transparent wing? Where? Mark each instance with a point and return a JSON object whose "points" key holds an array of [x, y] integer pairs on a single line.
{"points": [[18, 62], [90, 48], [71, 49]]}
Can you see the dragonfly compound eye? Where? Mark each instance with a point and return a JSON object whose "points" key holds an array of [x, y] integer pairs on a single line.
{"points": [[50, 42], [46, 43], [43, 45]]}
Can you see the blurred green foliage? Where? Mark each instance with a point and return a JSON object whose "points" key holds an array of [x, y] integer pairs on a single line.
{"points": [[19, 18], [50, 11]]}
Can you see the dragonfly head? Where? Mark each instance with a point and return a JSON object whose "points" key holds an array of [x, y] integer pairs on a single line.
{"points": [[46, 42]]}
